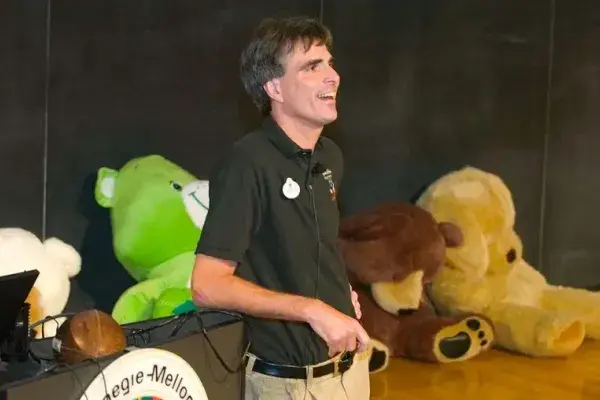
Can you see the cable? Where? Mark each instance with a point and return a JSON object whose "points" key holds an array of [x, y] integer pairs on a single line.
{"points": [[134, 332], [53, 367], [205, 333], [312, 172], [312, 193], [48, 319], [318, 245]]}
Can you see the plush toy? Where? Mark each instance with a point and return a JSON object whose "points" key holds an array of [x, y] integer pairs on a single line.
{"points": [[56, 261], [488, 274], [391, 252], [157, 212]]}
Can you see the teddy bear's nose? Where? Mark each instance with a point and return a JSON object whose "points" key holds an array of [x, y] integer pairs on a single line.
{"points": [[511, 256]]}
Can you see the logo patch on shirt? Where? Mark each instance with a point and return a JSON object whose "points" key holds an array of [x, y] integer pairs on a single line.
{"points": [[328, 175]]}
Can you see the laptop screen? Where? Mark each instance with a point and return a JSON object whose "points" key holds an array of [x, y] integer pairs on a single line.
{"points": [[14, 290]]}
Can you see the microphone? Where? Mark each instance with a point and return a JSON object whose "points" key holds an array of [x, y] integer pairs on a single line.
{"points": [[317, 169]]}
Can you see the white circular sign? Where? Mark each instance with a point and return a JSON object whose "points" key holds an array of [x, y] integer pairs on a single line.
{"points": [[290, 189], [143, 373]]}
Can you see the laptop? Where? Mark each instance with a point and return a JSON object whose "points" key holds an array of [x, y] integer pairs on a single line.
{"points": [[14, 289]]}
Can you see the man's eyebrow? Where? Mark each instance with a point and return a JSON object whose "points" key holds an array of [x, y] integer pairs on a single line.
{"points": [[314, 62], [311, 63]]}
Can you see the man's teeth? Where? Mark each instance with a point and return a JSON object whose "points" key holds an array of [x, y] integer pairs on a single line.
{"points": [[329, 95]]}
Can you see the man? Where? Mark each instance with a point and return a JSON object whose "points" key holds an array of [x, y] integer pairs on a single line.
{"points": [[268, 247]]}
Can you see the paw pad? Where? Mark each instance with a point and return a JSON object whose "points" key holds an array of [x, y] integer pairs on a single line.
{"points": [[475, 325], [458, 345]]}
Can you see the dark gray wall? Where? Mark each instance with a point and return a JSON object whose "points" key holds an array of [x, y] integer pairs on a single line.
{"points": [[571, 242], [427, 86], [22, 111]]}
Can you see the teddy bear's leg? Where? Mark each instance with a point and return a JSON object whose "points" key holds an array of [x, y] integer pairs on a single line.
{"points": [[421, 335], [534, 331], [380, 325], [428, 337], [379, 357], [580, 302]]}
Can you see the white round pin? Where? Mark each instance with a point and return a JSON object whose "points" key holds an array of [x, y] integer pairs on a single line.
{"points": [[291, 189]]}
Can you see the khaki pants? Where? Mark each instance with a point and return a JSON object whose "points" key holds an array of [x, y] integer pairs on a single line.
{"points": [[351, 385]]}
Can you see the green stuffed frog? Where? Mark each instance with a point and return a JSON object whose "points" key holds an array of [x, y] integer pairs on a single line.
{"points": [[157, 211]]}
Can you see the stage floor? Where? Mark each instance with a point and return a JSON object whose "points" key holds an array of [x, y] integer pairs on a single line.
{"points": [[496, 375]]}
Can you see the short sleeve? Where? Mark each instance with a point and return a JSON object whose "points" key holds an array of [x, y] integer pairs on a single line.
{"points": [[234, 209]]}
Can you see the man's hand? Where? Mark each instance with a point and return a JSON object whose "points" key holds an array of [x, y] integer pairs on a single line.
{"points": [[340, 332], [355, 303]]}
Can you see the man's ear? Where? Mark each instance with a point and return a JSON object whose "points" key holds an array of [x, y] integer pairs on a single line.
{"points": [[105, 187], [273, 90]]}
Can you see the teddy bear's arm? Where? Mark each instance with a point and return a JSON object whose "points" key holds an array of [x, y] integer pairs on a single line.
{"points": [[167, 284], [137, 302]]}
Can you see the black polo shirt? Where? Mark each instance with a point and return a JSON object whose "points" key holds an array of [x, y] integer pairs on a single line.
{"points": [[273, 209]]}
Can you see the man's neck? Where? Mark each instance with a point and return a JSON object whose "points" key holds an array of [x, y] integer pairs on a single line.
{"points": [[298, 131]]}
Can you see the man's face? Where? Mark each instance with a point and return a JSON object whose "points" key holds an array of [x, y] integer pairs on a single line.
{"points": [[308, 89]]}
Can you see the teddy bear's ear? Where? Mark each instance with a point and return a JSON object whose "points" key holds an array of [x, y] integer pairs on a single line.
{"points": [[452, 234], [472, 255], [105, 186], [65, 255]]}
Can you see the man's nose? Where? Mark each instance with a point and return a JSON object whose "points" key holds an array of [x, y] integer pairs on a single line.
{"points": [[332, 77]]}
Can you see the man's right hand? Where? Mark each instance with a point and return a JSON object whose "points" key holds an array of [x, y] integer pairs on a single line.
{"points": [[340, 332]]}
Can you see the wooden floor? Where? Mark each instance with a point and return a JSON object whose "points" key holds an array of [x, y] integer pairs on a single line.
{"points": [[496, 375]]}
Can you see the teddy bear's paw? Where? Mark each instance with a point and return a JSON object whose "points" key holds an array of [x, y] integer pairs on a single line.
{"points": [[463, 340]]}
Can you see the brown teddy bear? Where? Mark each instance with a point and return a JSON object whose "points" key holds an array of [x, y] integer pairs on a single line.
{"points": [[391, 253]]}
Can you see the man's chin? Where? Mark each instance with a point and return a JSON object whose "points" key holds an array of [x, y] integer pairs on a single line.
{"points": [[330, 119]]}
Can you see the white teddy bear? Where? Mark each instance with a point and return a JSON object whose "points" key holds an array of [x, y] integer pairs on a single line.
{"points": [[56, 261]]}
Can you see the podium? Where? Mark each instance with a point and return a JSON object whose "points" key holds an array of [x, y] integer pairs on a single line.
{"points": [[51, 381]]}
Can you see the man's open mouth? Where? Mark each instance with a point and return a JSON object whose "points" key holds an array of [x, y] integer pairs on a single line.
{"points": [[328, 96]]}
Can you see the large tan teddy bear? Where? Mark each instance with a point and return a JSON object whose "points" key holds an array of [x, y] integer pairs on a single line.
{"points": [[488, 274]]}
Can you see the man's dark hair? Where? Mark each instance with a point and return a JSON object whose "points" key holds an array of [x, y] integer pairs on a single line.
{"points": [[274, 39]]}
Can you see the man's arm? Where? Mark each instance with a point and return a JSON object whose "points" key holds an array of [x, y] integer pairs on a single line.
{"points": [[214, 285], [234, 214]]}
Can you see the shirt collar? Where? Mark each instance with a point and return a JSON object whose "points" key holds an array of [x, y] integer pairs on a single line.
{"points": [[284, 144]]}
